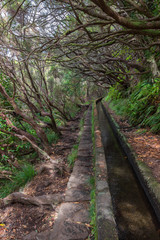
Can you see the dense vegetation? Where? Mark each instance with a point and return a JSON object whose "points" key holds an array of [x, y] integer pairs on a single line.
{"points": [[141, 106], [56, 54]]}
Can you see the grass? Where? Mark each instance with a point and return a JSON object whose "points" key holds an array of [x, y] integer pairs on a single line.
{"points": [[52, 137], [93, 222], [72, 156], [19, 179], [93, 106], [141, 131], [140, 105]]}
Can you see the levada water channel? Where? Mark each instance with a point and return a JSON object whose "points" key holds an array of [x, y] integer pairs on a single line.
{"points": [[134, 216]]}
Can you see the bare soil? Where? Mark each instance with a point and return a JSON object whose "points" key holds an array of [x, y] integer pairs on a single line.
{"points": [[18, 220]]}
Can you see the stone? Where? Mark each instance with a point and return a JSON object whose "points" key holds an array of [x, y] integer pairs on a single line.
{"points": [[74, 211], [30, 236], [81, 169], [84, 147], [43, 235], [71, 222], [76, 195], [79, 185], [85, 158], [84, 153], [84, 163], [70, 231], [102, 186], [106, 230], [79, 177]]}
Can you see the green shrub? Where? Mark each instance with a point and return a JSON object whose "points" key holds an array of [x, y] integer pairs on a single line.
{"points": [[52, 137], [19, 179], [140, 107], [153, 121], [25, 175], [72, 156], [114, 92], [120, 106]]}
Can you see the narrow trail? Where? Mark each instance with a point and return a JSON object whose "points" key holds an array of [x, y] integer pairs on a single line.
{"points": [[73, 219], [69, 218], [73, 216], [19, 219]]}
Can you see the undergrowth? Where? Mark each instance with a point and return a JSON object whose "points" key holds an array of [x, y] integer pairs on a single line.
{"points": [[93, 192], [18, 179], [141, 106], [73, 155], [52, 136]]}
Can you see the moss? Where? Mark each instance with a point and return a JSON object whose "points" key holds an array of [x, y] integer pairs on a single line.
{"points": [[92, 182], [150, 179]]}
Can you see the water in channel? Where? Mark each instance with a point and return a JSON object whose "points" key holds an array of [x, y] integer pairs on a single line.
{"points": [[134, 217]]}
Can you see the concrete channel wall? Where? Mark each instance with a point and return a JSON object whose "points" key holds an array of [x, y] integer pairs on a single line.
{"points": [[106, 226], [144, 175]]}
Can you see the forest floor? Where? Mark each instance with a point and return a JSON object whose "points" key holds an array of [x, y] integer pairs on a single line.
{"points": [[18, 220], [145, 144]]}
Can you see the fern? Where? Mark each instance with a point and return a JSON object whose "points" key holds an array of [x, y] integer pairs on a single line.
{"points": [[141, 105]]}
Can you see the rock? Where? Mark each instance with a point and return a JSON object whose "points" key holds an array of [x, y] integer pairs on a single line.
{"points": [[31, 236]]}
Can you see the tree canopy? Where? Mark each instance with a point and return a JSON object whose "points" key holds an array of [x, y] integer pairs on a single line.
{"points": [[47, 45]]}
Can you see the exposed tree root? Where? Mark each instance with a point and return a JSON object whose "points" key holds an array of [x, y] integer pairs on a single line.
{"points": [[5, 174], [17, 197], [53, 167]]}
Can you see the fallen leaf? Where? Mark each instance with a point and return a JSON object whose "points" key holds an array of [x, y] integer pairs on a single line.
{"points": [[2, 225]]}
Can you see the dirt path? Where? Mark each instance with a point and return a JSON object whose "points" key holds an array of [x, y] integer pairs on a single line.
{"points": [[73, 219], [18, 220]]}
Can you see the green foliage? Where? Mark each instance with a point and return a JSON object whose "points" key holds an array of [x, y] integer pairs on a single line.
{"points": [[153, 121], [142, 106], [120, 106], [92, 182], [69, 92], [141, 131], [25, 175], [72, 156], [114, 92], [93, 125], [17, 180], [12, 144], [52, 136], [6, 82], [72, 109], [81, 123], [153, 6]]}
